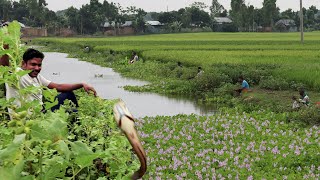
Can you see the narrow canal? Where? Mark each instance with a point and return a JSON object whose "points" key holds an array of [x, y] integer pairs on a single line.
{"points": [[109, 85]]}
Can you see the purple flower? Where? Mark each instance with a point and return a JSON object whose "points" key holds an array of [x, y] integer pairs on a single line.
{"points": [[275, 150], [284, 155], [222, 163], [198, 173]]}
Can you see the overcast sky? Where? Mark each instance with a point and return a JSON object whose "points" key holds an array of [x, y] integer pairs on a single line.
{"points": [[161, 5]]}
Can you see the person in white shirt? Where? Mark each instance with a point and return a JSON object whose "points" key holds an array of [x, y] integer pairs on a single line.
{"points": [[304, 98], [32, 60], [295, 104], [134, 57]]}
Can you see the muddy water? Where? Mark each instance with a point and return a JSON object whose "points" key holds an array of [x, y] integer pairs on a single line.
{"points": [[109, 85]]}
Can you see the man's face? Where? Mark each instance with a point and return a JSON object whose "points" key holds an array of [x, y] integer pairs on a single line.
{"points": [[34, 65]]}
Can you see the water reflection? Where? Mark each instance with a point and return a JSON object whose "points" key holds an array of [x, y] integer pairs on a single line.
{"points": [[109, 85]]}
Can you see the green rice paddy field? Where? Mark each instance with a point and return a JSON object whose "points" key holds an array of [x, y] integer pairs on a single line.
{"points": [[295, 61]]}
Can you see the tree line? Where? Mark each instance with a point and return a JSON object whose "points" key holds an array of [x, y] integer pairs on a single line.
{"points": [[90, 17]]}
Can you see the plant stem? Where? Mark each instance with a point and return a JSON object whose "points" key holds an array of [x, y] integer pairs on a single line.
{"points": [[74, 175]]}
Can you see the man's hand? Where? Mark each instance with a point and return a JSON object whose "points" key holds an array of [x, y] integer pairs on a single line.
{"points": [[89, 88]]}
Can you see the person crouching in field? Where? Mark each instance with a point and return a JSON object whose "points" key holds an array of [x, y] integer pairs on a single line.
{"points": [[304, 98], [134, 58], [32, 61], [295, 104], [244, 86]]}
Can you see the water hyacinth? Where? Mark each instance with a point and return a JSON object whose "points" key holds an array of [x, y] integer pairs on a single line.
{"points": [[229, 146]]}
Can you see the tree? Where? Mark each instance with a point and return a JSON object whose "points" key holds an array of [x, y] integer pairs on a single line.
{"points": [[224, 13], [5, 8], [92, 16], [110, 10], [73, 19], [176, 26], [139, 23], [49, 18], [169, 17], [310, 17], [199, 17], [20, 12], [154, 16], [287, 14], [199, 5], [250, 18], [270, 12], [96, 14], [185, 17], [258, 17], [215, 8], [237, 10], [236, 6]]}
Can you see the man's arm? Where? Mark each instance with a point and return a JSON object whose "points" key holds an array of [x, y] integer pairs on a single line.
{"points": [[71, 87], [305, 100]]}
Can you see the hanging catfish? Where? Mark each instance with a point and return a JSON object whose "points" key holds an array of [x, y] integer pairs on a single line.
{"points": [[125, 122]]}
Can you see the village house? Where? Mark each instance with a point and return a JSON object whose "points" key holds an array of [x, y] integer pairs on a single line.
{"points": [[286, 25], [113, 29], [154, 26], [221, 24]]}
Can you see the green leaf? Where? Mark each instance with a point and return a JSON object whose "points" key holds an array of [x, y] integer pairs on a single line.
{"points": [[55, 167], [63, 148], [49, 105], [12, 172], [84, 156], [22, 73], [85, 160], [50, 94], [13, 151], [3, 52], [53, 128], [80, 148], [27, 178]]}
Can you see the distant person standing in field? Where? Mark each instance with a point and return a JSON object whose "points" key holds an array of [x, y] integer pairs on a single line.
{"points": [[134, 57], [244, 86]]}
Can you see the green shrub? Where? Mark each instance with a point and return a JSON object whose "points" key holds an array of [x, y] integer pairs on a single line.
{"points": [[209, 80], [225, 89], [188, 73], [110, 58], [307, 115], [296, 85], [274, 83], [251, 73]]}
